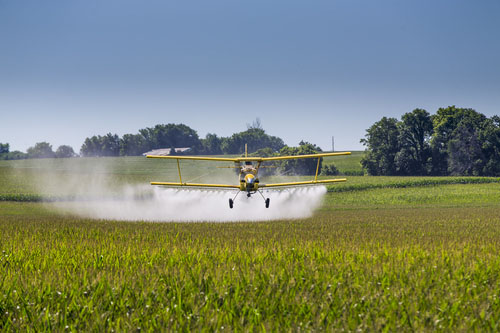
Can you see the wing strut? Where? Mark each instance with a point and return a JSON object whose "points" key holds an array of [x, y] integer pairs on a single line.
{"points": [[317, 169], [179, 168]]}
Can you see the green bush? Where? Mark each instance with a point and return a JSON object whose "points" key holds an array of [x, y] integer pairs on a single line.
{"points": [[329, 170]]}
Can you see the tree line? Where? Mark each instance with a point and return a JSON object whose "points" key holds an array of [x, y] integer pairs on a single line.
{"points": [[259, 143], [179, 136], [39, 150], [159, 136], [454, 141]]}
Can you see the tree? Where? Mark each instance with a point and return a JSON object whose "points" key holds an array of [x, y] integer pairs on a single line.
{"points": [[490, 145], [13, 155], [312, 145], [6, 154], [329, 170], [255, 124], [211, 144], [41, 150], [264, 152], [255, 138], [382, 141], [445, 123], [414, 156], [455, 141], [464, 151], [110, 145], [64, 152], [133, 145], [4, 148], [306, 166], [91, 146], [171, 135]]}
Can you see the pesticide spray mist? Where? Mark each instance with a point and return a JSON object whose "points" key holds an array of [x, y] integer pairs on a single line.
{"points": [[92, 188], [198, 205]]}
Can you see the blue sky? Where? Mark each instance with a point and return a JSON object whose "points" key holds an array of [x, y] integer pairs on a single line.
{"points": [[307, 69]]}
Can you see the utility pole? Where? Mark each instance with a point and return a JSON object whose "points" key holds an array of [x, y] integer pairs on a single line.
{"points": [[333, 143]]}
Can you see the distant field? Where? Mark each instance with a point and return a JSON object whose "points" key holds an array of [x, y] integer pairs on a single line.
{"points": [[348, 165], [382, 253]]}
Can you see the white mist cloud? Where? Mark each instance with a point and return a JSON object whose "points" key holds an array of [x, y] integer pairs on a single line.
{"points": [[172, 205], [96, 188]]}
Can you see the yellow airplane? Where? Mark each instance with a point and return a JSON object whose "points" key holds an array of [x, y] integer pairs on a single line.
{"points": [[248, 174]]}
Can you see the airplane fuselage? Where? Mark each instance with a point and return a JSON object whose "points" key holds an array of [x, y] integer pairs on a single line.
{"points": [[249, 182]]}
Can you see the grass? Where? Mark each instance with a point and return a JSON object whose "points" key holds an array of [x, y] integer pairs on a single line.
{"points": [[347, 165], [389, 254]]}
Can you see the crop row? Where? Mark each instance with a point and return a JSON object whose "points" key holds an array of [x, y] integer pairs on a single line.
{"points": [[414, 182]]}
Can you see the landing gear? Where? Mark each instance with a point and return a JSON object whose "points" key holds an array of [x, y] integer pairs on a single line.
{"points": [[231, 201], [267, 201]]}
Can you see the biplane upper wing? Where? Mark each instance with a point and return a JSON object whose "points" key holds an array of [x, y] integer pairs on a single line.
{"points": [[278, 158], [243, 159]]}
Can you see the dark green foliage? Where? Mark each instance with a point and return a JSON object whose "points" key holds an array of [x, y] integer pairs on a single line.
{"points": [[312, 146], [64, 152], [329, 170], [264, 152], [490, 144], [133, 145], [179, 136], [383, 145], [23, 197], [4, 148], [171, 135], [41, 150], [266, 168], [13, 155], [108, 145], [304, 166], [464, 151], [160, 136], [91, 146], [211, 144], [255, 138], [451, 125], [6, 154], [454, 141], [414, 156]]}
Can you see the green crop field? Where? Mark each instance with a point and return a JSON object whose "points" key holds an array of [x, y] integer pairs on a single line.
{"points": [[348, 165], [381, 253]]}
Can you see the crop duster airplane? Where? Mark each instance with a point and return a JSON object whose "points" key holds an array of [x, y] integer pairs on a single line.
{"points": [[248, 174]]}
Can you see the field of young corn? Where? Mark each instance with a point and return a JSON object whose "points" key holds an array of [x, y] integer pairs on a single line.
{"points": [[384, 253]]}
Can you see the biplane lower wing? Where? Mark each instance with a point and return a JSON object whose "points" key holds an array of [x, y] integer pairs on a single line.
{"points": [[310, 182], [196, 185]]}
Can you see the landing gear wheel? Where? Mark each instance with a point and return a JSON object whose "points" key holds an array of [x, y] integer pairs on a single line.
{"points": [[268, 201], [231, 202]]}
